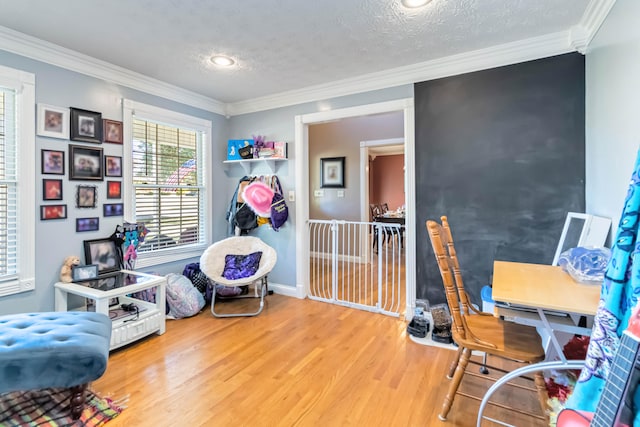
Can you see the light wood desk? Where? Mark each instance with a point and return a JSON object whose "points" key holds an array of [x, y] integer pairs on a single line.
{"points": [[543, 286]]}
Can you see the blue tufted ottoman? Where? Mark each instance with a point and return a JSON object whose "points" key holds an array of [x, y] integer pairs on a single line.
{"points": [[59, 349]]}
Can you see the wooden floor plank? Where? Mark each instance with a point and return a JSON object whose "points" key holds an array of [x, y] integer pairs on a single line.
{"points": [[300, 362]]}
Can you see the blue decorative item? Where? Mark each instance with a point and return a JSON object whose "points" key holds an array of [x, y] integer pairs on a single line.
{"points": [[619, 295]]}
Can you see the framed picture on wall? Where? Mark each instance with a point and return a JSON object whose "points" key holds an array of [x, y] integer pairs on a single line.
{"points": [[85, 163], [48, 212], [113, 209], [112, 131], [113, 166], [87, 224], [53, 121], [51, 189], [332, 172], [86, 196], [52, 162], [114, 189], [86, 126]]}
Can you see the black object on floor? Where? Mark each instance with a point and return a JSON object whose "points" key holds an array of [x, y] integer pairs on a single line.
{"points": [[418, 327]]}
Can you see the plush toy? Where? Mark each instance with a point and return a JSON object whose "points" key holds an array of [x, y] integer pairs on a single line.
{"points": [[65, 272]]}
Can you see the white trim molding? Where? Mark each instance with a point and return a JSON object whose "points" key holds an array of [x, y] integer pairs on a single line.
{"points": [[575, 39], [34, 48]]}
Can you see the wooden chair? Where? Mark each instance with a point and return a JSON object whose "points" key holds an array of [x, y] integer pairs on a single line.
{"points": [[474, 330]]}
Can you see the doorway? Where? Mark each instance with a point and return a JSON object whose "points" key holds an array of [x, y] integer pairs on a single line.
{"points": [[304, 192]]}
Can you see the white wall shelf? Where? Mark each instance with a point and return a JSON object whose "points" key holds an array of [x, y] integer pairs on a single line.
{"points": [[248, 164]]}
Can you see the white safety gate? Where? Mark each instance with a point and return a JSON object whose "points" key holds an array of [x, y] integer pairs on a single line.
{"points": [[356, 264]]}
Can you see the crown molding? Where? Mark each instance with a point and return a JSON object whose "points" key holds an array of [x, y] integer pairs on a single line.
{"points": [[40, 50], [575, 39], [495, 56], [593, 17]]}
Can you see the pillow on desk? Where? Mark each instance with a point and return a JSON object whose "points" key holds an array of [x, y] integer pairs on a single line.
{"points": [[241, 266]]}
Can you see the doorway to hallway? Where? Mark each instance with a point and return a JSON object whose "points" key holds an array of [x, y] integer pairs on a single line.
{"points": [[331, 201]]}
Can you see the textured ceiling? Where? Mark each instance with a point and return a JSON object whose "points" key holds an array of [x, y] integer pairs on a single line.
{"points": [[280, 45]]}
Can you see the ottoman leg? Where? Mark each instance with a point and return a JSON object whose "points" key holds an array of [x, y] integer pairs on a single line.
{"points": [[76, 402]]}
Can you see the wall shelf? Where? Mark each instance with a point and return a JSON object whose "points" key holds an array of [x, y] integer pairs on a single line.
{"points": [[248, 164]]}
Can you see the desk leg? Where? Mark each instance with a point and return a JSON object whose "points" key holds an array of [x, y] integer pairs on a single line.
{"points": [[552, 335]]}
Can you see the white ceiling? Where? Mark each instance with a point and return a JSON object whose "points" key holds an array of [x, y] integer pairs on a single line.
{"points": [[282, 45]]}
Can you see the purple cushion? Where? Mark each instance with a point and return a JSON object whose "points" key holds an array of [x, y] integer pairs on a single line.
{"points": [[241, 266]]}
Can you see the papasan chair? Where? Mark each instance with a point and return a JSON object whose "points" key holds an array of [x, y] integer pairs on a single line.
{"points": [[239, 261]]}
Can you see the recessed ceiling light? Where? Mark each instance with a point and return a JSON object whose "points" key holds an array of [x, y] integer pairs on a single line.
{"points": [[414, 3], [223, 61]]}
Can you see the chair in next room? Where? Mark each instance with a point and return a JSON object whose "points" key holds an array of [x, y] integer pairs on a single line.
{"points": [[474, 330], [239, 261]]}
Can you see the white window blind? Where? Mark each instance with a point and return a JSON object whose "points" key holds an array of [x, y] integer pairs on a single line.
{"points": [[17, 175], [8, 186], [168, 184]]}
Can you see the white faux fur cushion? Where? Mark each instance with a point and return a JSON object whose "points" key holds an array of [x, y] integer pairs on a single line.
{"points": [[212, 260]]}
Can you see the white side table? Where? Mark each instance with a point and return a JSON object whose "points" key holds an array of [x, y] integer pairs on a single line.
{"points": [[121, 285]]}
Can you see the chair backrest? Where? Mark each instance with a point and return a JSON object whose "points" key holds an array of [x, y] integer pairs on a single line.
{"points": [[457, 299], [375, 211]]}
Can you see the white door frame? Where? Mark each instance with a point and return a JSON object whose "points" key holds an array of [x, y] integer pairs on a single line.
{"points": [[364, 171], [302, 123]]}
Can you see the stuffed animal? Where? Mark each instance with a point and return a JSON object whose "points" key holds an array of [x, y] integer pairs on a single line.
{"points": [[65, 272]]}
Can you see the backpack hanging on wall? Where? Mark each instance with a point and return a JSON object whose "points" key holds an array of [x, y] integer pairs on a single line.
{"points": [[279, 208]]}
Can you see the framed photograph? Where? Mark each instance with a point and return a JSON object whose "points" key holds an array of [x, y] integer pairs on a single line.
{"points": [[87, 224], [114, 189], [114, 301], [104, 253], [112, 166], [112, 131], [85, 163], [51, 189], [86, 196], [53, 121], [84, 272], [113, 209], [53, 212], [52, 162], [332, 172], [86, 126]]}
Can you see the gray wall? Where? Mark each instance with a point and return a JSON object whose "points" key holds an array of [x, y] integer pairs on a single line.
{"points": [[57, 239], [612, 110]]}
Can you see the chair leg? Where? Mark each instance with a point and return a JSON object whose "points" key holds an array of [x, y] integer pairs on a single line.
{"points": [[76, 402], [454, 364], [465, 354]]}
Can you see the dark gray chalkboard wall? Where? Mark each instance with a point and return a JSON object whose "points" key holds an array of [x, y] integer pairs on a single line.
{"points": [[501, 153]]}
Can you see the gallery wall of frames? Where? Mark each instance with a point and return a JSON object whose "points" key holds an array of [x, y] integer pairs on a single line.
{"points": [[98, 177]]}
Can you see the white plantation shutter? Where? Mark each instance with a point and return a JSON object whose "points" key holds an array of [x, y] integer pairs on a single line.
{"points": [[168, 171], [17, 188], [8, 185]]}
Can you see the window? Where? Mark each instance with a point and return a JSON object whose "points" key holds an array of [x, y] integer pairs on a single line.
{"points": [[166, 169], [17, 172]]}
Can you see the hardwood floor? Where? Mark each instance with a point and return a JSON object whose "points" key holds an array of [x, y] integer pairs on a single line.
{"points": [[300, 362]]}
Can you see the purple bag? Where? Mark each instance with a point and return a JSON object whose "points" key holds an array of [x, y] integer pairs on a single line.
{"points": [[279, 209]]}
